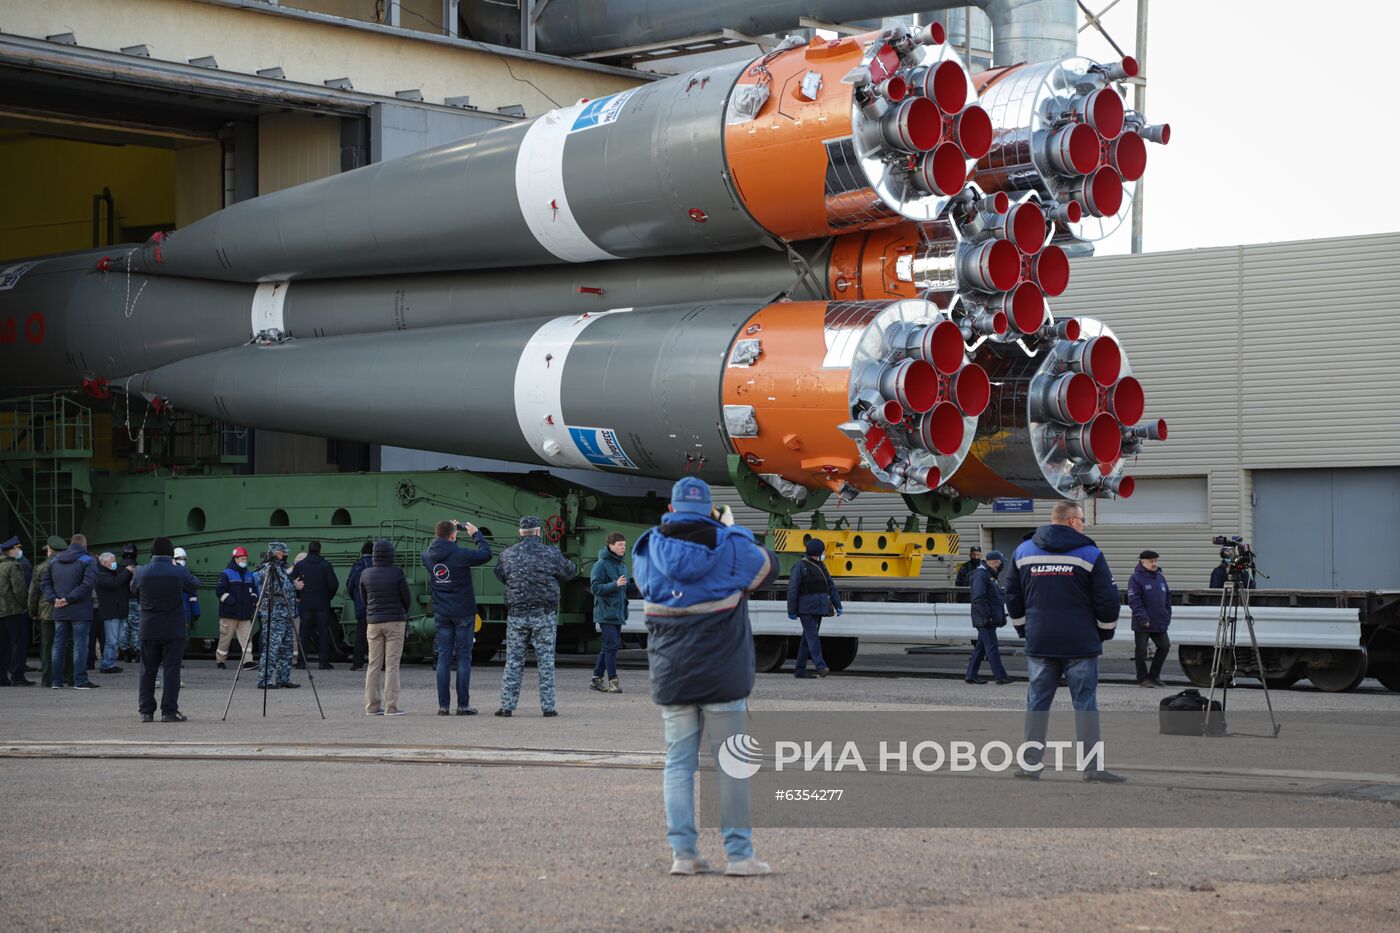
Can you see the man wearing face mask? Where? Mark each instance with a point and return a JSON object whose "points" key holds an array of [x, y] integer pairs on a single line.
{"points": [[113, 585], [277, 617], [14, 616], [811, 596], [238, 596]]}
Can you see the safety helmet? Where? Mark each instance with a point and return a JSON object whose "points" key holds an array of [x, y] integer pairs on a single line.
{"points": [[180, 552], [240, 552]]}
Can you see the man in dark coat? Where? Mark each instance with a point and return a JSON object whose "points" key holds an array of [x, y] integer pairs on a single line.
{"points": [[449, 568], [1150, 600], [41, 611], [1221, 573], [352, 585], [163, 587], [387, 600], [974, 560], [113, 586], [1063, 601], [988, 615], [319, 585], [69, 584], [696, 572], [811, 597], [608, 584]]}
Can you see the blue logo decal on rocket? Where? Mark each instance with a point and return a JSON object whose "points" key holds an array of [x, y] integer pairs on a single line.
{"points": [[600, 112], [601, 447]]}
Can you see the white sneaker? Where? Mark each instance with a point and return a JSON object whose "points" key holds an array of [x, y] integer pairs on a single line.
{"points": [[689, 866], [748, 867]]}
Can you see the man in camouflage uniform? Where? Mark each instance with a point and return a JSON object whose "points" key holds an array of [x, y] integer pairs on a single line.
{"points": [[276, 615], [15, 631], [532, 572], [129, 639]]}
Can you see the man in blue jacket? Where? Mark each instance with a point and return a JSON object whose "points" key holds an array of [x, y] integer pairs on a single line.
{"points": [[163, 587], [988, 615], [69, 585], [695, 572], [1063, 602], [1150, 600], [811, 596], [608, 584], [454, 607]]}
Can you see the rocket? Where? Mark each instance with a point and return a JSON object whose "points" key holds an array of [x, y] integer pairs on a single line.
{"points": [[832, 267]]}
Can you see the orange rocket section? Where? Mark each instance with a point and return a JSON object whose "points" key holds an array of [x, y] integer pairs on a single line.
{"points": [[778, 159], [863, 265], [797, 403]]}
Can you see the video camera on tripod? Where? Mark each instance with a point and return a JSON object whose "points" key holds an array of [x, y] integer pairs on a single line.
{"points": [[1235, 554], [1238, 558]]}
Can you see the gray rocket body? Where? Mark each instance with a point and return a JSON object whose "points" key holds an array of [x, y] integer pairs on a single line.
{"points": [[109, 325], [611, 178], [624, 391]]}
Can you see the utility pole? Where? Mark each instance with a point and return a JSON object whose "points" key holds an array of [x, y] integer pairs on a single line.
{"points": [[1140, 105]]}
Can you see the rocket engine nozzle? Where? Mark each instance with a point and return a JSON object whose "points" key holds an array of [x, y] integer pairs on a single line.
{"points": [[912, 383], [1127, 401], [1102, 110], [1073, 149], [912, 125], [1099, 357], [1050, 270], [1122, 486], [942, 172], [1160, 133], [1070, 398], [1153, 431]]}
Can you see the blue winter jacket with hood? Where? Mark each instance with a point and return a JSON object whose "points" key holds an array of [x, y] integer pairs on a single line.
{"points": [[1062, 591], [72, 576], [450, 570], [695, 575]]}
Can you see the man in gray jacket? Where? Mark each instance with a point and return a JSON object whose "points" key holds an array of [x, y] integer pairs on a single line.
{"points": [[532, 572]]}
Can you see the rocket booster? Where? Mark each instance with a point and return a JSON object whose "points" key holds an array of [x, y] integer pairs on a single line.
{"points": [[847, 396], [808, 141]]}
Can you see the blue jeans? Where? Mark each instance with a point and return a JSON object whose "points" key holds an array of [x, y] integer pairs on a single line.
{"points": [[987, 647], [684, 724], [811, 644], [78, 632], [111, 635], [454, 635], [607, 655], [1083, 677]]}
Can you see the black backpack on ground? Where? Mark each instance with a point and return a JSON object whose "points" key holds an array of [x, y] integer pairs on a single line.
{"points": [[1185, 714]]}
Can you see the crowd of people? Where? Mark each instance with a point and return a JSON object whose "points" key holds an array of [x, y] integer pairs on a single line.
{"points": [[694, 572]]}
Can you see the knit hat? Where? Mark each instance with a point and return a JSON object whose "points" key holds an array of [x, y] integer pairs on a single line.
{"points": [[277, 546], [691, 495], [529, 521], [815, 547], [57, 543], [1148, 555], [162, 547]]}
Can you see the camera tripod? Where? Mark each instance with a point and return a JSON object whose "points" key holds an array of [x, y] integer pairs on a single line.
{"points": [[270, 599], [1224, 665]]}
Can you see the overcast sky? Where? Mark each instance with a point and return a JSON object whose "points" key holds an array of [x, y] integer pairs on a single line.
{"points": [[1268, 103]]}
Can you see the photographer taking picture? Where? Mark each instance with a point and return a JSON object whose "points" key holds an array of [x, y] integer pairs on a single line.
{"points": [[454, 607]]}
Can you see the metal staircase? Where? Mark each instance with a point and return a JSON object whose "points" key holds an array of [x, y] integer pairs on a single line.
{"points": [[45, 453]]}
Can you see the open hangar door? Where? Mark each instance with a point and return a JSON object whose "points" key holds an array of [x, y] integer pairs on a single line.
{"points": [[1328, 529], [99, 163]]}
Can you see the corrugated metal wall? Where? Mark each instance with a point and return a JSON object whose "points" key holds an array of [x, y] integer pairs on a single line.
{"points": [[1260, 357]]}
